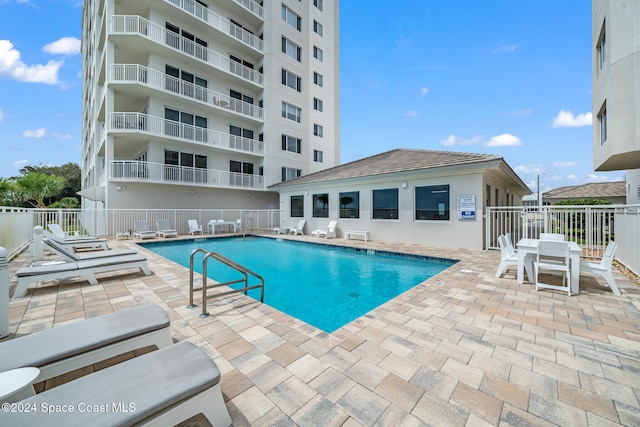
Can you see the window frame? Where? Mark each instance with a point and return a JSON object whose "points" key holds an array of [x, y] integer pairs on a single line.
{"points": [[318, 105], [291, 80], [392, 211], [299, 205], [289, 142], [318, 28], [287, 14], [318, 53], [318, 79], [320, 212], [318, 156], [602, 124], [428, 207], [287, 114], [291, 49], [349, 212]]}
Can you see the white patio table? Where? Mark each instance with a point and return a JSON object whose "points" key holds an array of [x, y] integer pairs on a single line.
{"points": [[530, 246], [212, 225]]}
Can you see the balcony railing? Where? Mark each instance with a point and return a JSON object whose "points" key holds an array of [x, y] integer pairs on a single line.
{"points": [[153, 125], [137, 25], [220, 23], [133, 73], [125, 170]]}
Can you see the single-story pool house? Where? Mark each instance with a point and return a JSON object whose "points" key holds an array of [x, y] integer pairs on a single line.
{"points": [[428, 197]]}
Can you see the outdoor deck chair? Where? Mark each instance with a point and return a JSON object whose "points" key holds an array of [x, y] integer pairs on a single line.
{"points": [[552, 236], [553, 257], [87, 268], [508, 258], [194, 227], [69, 255], [58, 231], [328, 232], [164, 229], [298, 229], [142, 230], [63, 349], [163, 387], [603, 268], [81, 243]]}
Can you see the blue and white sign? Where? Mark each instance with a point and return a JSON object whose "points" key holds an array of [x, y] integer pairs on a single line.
{"points": [[467, 207]]}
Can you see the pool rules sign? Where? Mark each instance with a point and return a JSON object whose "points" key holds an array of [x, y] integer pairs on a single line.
{"points": [[466, 207]]}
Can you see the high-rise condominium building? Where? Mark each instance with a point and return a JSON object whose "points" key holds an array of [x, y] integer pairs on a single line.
{"points": [[616, 90], [204, 104]]}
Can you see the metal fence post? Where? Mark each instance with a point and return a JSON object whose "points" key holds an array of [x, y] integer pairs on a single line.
{"points": [[4, 292]]}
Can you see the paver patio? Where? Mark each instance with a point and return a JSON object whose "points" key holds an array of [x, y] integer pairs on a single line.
{"points": [[474, 351]]}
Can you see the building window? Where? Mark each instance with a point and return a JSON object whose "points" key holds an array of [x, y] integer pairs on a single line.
{"points": [[291, 18], [185, 167], [236, 166], [290, 173], [185, 125], [317, 53], [317, 104], [601, 47], [350, 204], [317, 130], [297, 206], [291, 144], [291, 49], [602, 124], [291, 112], [317, 28], [432, 203], [385, 204], [317, 79], [317, 156], [240, 138], [291, 80], [318, 4], [321, 205]]}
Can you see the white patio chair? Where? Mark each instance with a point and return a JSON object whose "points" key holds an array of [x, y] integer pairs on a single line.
{"points": [[553, 257], [328, 232], [552, 236], [164, 229], [603, 268], [194, 227], [299, 229], [507, 258]]}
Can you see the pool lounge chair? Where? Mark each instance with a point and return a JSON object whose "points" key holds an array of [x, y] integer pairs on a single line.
{"points": [[194, 227], [63, 349], [298, 229], [163, 387], [164, 229], [328, 232], [142, 230], [58, 231], [69, 255], [87, 268], [82, 243]]}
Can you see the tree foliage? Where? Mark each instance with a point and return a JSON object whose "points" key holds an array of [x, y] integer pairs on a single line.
{"points": [[35, 187], [591, 201]]}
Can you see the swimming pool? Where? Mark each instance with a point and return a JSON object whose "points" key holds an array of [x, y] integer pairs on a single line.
{"points": [[323, 285]]}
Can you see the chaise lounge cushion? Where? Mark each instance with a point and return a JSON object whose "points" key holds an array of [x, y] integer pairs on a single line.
{"points": [[48, 346]]}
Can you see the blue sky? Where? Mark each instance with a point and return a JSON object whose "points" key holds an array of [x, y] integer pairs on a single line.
{"points": [[507, 77]]}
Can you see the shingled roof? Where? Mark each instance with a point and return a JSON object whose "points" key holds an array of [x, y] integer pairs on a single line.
{"points": [[597, 190], [398, 160]]}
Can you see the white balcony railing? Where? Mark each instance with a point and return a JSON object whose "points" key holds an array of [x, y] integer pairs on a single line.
{"points": [[123, 170], [220, 22], [133, 73], [153, 125], [137, 25]]}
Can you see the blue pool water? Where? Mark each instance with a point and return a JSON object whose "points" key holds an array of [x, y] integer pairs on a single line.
{"points": [[325, 286]]}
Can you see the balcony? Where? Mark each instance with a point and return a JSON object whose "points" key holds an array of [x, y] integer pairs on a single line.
{"points": [[137, 74], [147, 29], [221, 23], [158, 126], [131, 170]]}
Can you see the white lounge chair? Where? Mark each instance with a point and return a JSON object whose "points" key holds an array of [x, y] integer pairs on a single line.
{"points": [[164, 229], [69, 255], [328, 232], [552, 236], [86, 268], [298, 229], [63, 349], [553, 256], [163, 387], [58, 231], [83, 243], [194, 227], [603, 268], [142, 230]]}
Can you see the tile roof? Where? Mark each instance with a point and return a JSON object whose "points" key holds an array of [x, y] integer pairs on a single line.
{"points": [[398, 160], [593, 189]]}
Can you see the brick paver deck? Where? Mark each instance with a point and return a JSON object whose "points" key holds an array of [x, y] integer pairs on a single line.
{"points": [[474, 351]]}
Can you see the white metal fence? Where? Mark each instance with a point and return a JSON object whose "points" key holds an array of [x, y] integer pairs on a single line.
{"points": [[590, 226]]}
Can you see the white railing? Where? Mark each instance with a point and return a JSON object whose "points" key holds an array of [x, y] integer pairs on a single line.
{"points": [[17, 223], [590, 226], [252, 7], [133, 73], [127, 170], [153, 125]]}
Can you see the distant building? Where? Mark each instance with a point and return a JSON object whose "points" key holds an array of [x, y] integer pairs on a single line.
{"points": [[616, 90], [613, 192], [428, 197]]}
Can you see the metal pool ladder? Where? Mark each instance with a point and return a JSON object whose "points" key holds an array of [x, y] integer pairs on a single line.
{"points": [[224, 260]]}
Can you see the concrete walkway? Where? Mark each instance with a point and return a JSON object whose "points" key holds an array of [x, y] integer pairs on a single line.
{"points": [[473, 351]]}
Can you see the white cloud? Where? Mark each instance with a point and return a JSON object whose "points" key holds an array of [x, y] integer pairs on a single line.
{"points": [[456, 140], [64, 46], [21, 162], [38, 133], [598, 178], [569, 164], [424, 91], [572, 177], [10, 64], [537, 169], [567, 119], [411, 113], [504, 140], [505, 49]]}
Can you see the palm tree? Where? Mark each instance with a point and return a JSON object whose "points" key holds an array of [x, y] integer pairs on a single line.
{"points": [[34, 187]]}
